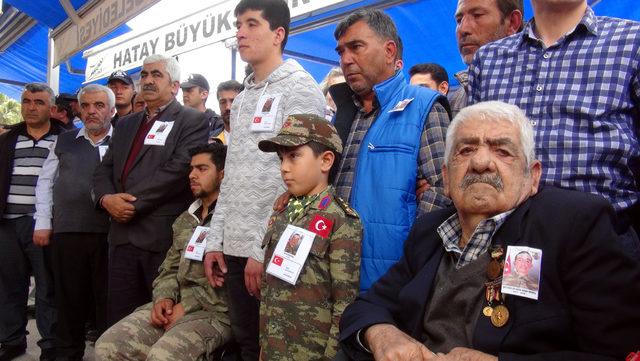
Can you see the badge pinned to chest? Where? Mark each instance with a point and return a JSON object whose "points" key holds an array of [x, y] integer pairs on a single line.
{"points": [[521, 274], [290, 254], [401, 105], [197, 244], [158, 133], [264, 117]]}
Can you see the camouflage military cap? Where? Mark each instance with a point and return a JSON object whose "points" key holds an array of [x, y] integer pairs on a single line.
{"points": [[299, 129]]}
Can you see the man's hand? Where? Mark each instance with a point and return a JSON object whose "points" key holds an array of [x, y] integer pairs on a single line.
{"points": [[3, 130], [421, 187], [42, 237], [178, 313], [388, 343], [252, 277], [215, 268], [119, 206], [465, 354], [281, 202], [161, 312]]}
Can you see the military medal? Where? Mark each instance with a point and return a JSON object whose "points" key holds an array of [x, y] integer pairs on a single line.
{"points": [[494, 269], [499, 316], [495, 308]]}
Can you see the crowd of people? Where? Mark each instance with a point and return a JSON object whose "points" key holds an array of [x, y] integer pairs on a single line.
{"points": [[364, 218]]}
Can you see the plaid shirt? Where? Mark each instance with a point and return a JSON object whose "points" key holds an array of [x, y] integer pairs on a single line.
{"points": [[430, 159], [583, 96], [450, 231]]}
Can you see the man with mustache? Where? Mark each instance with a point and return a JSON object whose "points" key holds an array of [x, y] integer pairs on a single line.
{"points": [[479, 22], [142, 184], [443, 300], [75, 230], [387, 127], [226, 93], [574, 75], [23, 150]]}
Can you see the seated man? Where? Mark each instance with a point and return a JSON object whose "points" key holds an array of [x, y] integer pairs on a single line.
{"points": [[444, 299], [187, 319]]}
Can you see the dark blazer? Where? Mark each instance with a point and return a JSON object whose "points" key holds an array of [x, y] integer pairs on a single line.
{"points": [[158, 178], [589, 299]]}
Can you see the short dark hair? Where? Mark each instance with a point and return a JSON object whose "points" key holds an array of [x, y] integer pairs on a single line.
{"points": [[437, 72], [319, 148], [229, 85], [377, 20], [400, 48], [41, 87], [506, 7], [217, 151], [276, 12], [64, 106]]}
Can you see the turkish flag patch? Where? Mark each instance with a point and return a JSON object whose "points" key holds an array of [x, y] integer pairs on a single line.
{"points": [[277, 260], [321, 226]]}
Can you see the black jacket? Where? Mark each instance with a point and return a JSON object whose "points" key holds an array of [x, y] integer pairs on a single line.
{"points": [[589, 296], [8, 142]]}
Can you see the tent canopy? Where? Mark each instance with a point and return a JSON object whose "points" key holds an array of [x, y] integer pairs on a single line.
{"points": [[425, 26]]}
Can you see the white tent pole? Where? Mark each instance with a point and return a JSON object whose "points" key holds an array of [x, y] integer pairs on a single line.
{"points": [[53, 73]]}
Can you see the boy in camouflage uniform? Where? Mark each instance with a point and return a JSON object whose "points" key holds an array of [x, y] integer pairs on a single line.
{"points": [[187, 319], [300, 322]]}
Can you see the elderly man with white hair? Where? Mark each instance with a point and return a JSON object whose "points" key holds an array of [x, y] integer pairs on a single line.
{"points": [[444, 299], [142, 183], [66, 220]]}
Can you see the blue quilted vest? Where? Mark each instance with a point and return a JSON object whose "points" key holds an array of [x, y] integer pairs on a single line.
{"points": [[384, 185]]}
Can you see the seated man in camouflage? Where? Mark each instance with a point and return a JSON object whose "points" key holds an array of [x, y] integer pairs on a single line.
{"points": [[187, 319]]}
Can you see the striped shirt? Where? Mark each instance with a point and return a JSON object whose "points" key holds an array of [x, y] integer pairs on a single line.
{"points": [[430, 158], [28, 159], [451, 231], [583, 96]]}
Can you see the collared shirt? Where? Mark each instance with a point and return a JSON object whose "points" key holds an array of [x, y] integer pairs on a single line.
{"points": [[451, 231], [458, 98], [581, 93], [48, 176], [429, 158]]}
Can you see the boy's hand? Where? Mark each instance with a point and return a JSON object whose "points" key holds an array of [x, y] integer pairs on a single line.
{"points": [[253, 277], [161, 312], [281, 202], [215, 268]]}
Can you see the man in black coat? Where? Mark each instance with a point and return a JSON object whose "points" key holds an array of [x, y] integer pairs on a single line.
{"points": [[142, 183], [443, 300]]}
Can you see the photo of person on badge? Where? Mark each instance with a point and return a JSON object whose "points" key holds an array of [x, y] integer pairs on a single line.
{"points": [[293, 243], [201, 236], [523, 264], [266, 107]]}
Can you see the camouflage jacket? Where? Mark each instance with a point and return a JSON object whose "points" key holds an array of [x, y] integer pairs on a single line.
{"points": [[183, 280], [301, 322]]}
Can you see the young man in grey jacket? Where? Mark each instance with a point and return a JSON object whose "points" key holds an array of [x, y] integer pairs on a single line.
{"points": [[273, 91]]}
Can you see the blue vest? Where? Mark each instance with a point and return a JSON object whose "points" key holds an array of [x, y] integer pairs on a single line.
{"points": [[384, 185]]}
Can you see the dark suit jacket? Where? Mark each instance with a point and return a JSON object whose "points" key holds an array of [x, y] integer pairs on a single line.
{"points": [[158, 178], [589, 300]]}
